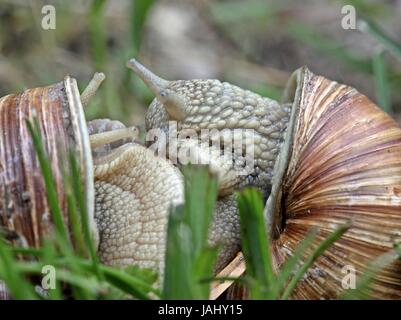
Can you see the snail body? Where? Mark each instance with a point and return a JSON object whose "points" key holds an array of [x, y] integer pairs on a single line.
{"points": [[334, 158], [215, 105]]}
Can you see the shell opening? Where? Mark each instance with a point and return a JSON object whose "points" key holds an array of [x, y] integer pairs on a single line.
{"points": [[274, 212]]}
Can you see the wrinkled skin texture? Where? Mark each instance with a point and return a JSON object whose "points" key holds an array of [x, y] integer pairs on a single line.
{"points": [[225, 230], [211, 104], [134, 190]]}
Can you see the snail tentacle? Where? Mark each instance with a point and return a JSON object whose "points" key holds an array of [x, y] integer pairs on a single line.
{"points": [[92, 88], [100, 139]]}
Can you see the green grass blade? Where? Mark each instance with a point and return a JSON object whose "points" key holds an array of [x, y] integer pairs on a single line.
{"points": [[97, 33], [80, 200], [368, 26], [99, 52], [50, 187], [122, 280], [397, 248], [329, 46], [368, 276], [200, 200], [333, 237], [256, 245], [74, 218], [27, 251], [203, 268], [18, 286], [383, 92], [73, 278], [139, 13], [177, 278], [291, 265], [188, 259]]}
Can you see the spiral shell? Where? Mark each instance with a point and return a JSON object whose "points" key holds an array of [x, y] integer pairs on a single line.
{"points": [[343, 164], [24, 210]]}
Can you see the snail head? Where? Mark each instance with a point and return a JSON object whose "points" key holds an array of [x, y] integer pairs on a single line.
{"points": [[174, 102], [206, 104]]}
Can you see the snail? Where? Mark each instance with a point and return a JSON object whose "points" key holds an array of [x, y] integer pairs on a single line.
{"points": [[128, 189], [324, 156]]}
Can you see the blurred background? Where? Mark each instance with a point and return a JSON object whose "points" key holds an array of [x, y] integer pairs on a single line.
{"points": [[255, 44]]}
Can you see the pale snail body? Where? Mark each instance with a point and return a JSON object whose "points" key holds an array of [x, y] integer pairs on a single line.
{"points": [[133, 188], [214, 105], [339, 162]]}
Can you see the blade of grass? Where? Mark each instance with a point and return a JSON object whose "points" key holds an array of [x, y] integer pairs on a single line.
{"points": [[292, 263], [134, 281], [27, 251], [16, 284], [383, 92], [99, 50], [203, 268], [47, 174], [368, 276], [188, 259], [62, 237], [256, 245], [74, 218], [329, 46], [199, 204], [397, 248], [333, 48], [368, 26], [80, 199], [78, 280], [139, 13], [97, 33], [177, 283], [333, 237], [136, 287]]}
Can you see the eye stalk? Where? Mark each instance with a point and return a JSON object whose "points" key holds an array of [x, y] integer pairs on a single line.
{"points": [[154, 82], [174, 103]]}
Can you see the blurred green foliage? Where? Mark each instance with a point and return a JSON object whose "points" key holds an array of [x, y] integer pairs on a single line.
{"points": [[89, 38]]}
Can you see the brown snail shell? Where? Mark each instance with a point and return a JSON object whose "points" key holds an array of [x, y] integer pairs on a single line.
{"points": [[341, 162], [24, 210]]}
